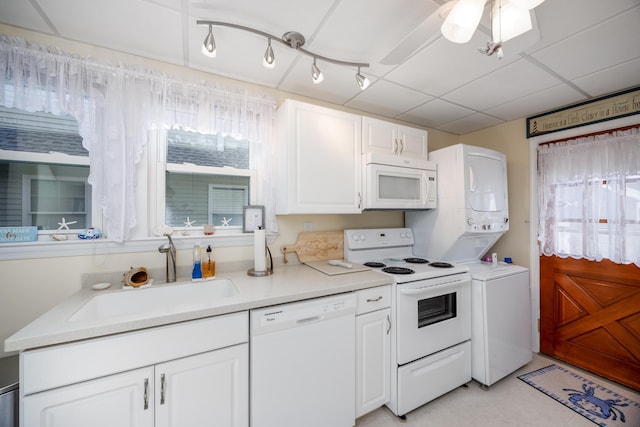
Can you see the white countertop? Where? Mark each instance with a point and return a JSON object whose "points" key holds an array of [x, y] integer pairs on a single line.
{"points": [[287, 284]]}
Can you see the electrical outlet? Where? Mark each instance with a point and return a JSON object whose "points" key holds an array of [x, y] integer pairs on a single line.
{"points": [[308, 226]]}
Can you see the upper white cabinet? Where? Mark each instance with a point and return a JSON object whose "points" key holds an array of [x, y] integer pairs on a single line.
{"points": [[318, 160], [386, 137]]}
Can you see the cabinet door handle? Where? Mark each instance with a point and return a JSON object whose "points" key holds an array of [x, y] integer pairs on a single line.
{"points": [[162, 389], [374, 299], [359, 200], [401, 146], [395, 146], [388, 324], [146, 394]]}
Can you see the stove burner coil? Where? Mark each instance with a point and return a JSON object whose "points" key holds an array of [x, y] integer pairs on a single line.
{"points": [[374, 264], [398, 270], [441, 264], [412, 260]]}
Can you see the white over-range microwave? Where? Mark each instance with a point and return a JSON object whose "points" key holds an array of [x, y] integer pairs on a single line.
{"points": [[393, 182]]}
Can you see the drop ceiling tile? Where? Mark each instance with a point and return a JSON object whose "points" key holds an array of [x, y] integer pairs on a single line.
{"points": [[444, 66], [435, 113], [123, 25], [558, 20], [397, 99], [470, 124], [611, 79], [365, 31], [506, 84], [23, 14], [611, 42], [274, 16], [537, 102]]}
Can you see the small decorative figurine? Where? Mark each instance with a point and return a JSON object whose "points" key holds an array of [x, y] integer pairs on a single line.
{"points": [[225, 221], [90, 234]]}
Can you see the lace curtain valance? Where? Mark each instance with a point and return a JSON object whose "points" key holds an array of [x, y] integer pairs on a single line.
{"points": [[589, 197], [116, 105]]}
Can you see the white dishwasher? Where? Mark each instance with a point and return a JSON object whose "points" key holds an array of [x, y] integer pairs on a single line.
{"points": [[302, 359]]}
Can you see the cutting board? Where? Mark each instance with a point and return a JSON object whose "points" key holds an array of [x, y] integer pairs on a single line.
{"points": [[332, 270], [316, 246]]}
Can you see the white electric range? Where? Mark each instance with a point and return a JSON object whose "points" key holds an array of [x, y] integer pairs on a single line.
{"points": [[430, 311]]}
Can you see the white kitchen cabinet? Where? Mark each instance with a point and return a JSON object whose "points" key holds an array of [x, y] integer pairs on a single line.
{"points": [[190, 373], [387, 137], [124, 400], [209, 389], [373, 349], [318, 160]]}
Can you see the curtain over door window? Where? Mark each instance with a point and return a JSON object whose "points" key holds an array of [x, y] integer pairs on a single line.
{"points": [[589, 197]]}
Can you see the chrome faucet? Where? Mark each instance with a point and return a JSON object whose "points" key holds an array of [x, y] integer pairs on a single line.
{"points": [[170, 250]]}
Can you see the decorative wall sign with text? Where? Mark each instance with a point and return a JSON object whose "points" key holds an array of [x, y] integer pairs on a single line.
{"points": [[614, 106]]}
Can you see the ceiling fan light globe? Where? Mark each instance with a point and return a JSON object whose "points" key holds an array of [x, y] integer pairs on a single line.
{"points": [[463, 20]]}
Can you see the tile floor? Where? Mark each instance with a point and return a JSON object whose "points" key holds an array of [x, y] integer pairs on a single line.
{"points": [[509, 402]]}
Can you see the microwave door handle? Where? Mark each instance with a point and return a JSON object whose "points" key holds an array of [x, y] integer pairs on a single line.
{"points": [[428, 289]]}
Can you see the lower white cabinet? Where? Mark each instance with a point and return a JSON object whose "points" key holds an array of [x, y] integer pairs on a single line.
{"points": [[209, 389], [373, 350], [186, 374], [124, 400]]}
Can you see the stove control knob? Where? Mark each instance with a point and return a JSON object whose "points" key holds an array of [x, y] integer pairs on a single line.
{"points": [[470, 221], [363, 236], [355, 237]]}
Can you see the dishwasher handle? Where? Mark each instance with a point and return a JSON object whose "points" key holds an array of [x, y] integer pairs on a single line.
{"points": [[309, 320]]}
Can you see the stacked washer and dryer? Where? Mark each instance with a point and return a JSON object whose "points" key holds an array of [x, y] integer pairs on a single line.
{"points": [[472, 214]]}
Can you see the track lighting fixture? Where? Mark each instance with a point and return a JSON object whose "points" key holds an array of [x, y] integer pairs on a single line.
{"points": [[269, 60], [363, 82], [316, 74], [209, 45], [291, 39]]}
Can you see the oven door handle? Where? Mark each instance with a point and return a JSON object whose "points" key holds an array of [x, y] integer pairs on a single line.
{"points": [[432, 288]]}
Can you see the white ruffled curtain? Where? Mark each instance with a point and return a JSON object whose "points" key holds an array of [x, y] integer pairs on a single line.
{"points": [[589, 197], [115, 106]]}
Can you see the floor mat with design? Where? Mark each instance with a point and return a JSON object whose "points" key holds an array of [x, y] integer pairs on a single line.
{"points": [[599, 404]]}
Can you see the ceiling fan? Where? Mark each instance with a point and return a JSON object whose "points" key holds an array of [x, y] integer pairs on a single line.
{"points": [[457, 20]]}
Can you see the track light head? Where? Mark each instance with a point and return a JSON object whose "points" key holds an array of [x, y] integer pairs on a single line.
{"points": [[209, 45], [316, 74], [362, 81], [269, 59]]}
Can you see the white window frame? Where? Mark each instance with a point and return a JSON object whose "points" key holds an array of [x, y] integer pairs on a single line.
{"points": [[158, 167], [95, 218]]}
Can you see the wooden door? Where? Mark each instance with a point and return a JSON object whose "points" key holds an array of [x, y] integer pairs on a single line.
{"points": [[590, 316]]}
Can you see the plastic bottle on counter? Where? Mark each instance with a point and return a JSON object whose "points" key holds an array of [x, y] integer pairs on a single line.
{"points": [[208, 265], [197, 262]]}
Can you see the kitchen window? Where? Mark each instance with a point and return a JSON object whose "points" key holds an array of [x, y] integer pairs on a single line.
{"points": [[44, 172], [207, 180]]}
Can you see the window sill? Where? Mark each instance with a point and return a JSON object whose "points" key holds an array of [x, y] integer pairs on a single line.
{"points": [[67, 248]]}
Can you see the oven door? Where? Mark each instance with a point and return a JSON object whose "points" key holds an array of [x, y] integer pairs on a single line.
{"points": [[393, 187], [432, 315]]}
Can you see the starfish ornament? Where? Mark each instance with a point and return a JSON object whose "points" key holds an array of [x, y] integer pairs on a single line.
{"points": [[226, 221], [64, 225]]}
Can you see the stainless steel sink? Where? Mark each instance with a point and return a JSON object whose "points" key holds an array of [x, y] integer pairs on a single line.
{"points": [[156, 300]]}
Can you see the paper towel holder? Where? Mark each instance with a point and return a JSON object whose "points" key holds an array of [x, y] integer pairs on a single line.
{"points": [[267, 272]]}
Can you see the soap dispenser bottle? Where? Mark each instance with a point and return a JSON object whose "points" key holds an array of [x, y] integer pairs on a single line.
{"points": [[197, 262], [208, 265]]}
